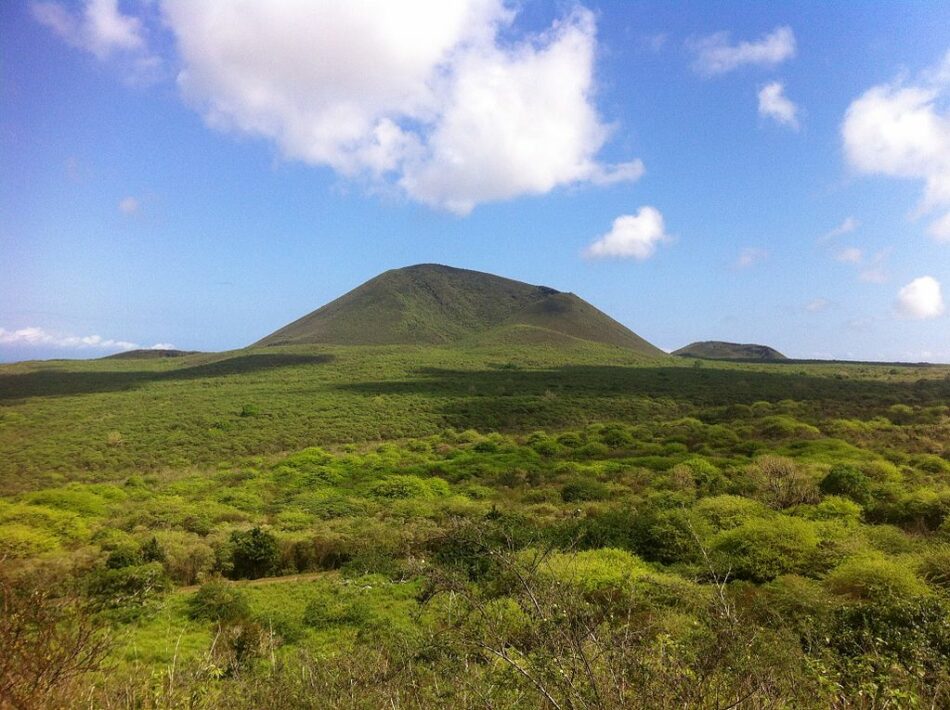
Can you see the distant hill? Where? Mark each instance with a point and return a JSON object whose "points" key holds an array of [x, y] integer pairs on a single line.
{"points": [[717, 350], [431, 304], [149, 354]]}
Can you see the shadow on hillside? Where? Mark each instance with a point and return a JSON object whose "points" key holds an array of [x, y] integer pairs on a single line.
{"points": [[51, 382], [511, 398]]}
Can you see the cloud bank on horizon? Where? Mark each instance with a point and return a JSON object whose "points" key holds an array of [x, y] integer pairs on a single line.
{"points": [[33, 336]]}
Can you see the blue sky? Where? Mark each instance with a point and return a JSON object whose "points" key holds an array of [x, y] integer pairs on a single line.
{"points": [[200, 173]]}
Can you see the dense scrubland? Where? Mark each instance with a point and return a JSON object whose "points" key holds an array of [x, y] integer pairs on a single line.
{"points": [[518, 526]]}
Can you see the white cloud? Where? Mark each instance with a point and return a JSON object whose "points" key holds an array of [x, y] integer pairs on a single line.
{"points": [[817, 305], [851, 255], [715, 54], [750, 256], [129, 205], [774, 104], [632, 236], [939, 229], [444, 109], [846, 227], [903, 130], [921, 298], [35, 336], [100, 28]]}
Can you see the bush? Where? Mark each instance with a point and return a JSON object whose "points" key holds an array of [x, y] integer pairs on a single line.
{"points": [[219, 601], [584, 489], [126, 586], [727, 512], [595, 570], [668, 536], [783, 484], [18, 540], [843, 510], [123, 557], [875, 579], [761, 550], [254, 554], [935, 567], [846, 481]]}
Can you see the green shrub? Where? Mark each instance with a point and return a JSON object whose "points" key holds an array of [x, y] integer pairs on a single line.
{"points": [[875, 579], [616, 437], [131, 585], [843, 510], [254, 554], [725, 512], [846, 481], [219, 601], [21, 541], [668, 536], [934, 567], [781, 426], [65, 525], [761, 550], [124, 557], [592, 450], [596, 570], [73, 499], [584, 489]]}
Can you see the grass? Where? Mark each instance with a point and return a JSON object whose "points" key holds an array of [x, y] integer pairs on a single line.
{"points": [[95, 420]]}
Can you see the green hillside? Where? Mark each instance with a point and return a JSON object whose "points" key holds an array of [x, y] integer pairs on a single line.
{"points": [[430, 304], [149, 354], [718, 350]]}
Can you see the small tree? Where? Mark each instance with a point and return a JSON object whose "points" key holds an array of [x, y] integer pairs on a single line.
{"points": [[254, 554], [49, 640]]}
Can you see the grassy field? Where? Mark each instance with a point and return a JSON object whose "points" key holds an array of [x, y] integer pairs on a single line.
{"points": [[483, 527]]}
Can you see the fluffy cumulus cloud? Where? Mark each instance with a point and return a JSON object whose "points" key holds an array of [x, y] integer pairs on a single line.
{"points": [[902, 130], [774, 104], [446, 110], [632, 236], [716, 54], [921, 298], [35, 336]]}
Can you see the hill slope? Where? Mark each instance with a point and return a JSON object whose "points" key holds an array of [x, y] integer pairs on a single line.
{"points": [[434, 304], [149, 354], [718, 350]]}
